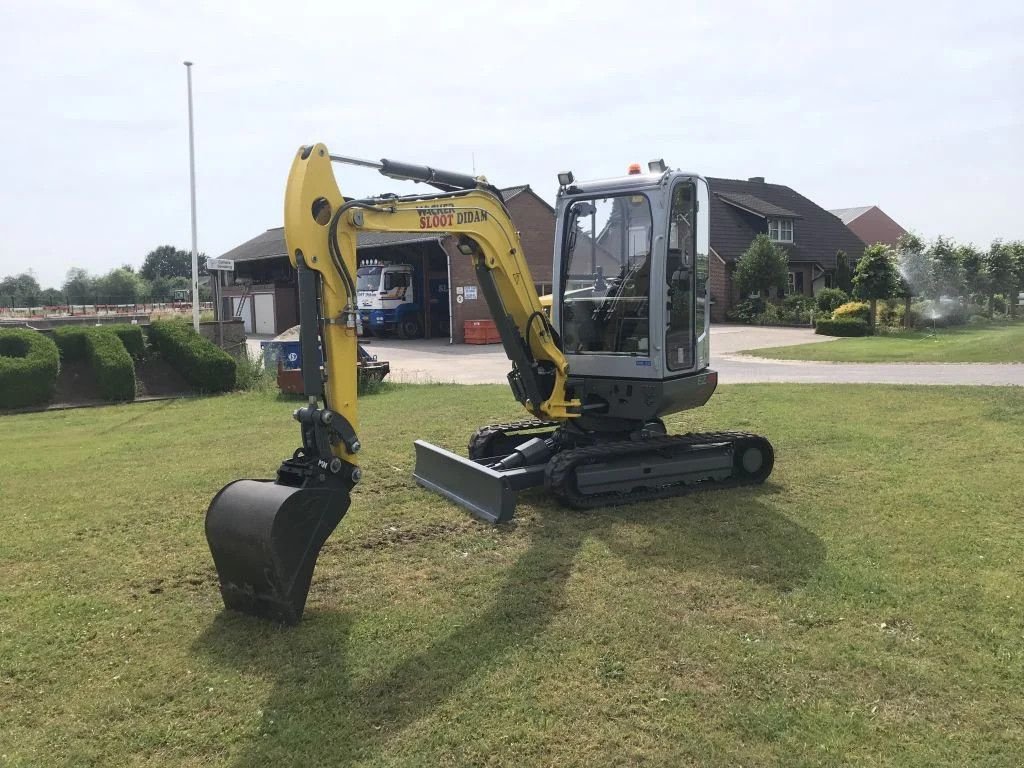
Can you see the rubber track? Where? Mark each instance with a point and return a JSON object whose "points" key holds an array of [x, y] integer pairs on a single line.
{"points": [[482, 437], [559, 476]]}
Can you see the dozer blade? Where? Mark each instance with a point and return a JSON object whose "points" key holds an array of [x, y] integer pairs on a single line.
{"points": [[265, 539], [487, 493]]}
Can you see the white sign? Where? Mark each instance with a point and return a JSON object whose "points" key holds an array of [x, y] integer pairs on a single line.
{"points": [[220, 265], [458, 299], [470, 292]]}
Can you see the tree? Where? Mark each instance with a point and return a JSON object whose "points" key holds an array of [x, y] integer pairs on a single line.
{"points": [[762, 266], [51, 297], [119, 286], [20, 291], [168, 261], [1017, 249], [947, 272], [876, 276], [915, 267], [975, 267], [914, 264], [1000, 265], [79, 286], [843, 277]]}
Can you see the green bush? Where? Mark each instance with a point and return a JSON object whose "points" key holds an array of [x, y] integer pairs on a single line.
{"points": [[746, 311], [70, 341], [132, 338], [853, 310], [941, 314], [831, 298], [842, 327], [29, 363], [203, 364], [916, 320], [113, 366]]}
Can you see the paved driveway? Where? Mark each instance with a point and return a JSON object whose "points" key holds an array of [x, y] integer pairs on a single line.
{"points": [[437, 361]]}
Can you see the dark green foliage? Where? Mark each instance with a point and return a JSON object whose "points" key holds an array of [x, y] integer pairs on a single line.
{"points": [[842, 327], [168, 261], [762, 267], [203, 364], [876, 276], [70, 340], [947, 271], [132, 338], [746, 311], [20, 291], [844, 281], [915, 265], [830, 298], [29, 363], [111, 363]]}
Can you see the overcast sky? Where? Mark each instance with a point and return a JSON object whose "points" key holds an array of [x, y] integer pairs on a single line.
{"points": [[918, 111]]}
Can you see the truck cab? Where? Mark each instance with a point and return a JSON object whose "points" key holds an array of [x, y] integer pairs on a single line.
{"points": [[387, 298]]}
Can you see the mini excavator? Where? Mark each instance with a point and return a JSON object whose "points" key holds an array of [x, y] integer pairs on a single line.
{"points": [[626, 342]]}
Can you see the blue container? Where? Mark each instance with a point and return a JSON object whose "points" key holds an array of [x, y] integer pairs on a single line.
{"points": [[288, 352]]}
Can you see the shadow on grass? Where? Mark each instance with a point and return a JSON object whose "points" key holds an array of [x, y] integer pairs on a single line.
{"points": [[315, 710]]}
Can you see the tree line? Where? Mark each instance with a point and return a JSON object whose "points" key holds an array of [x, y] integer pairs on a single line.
{"points": [[990, 281], [164, 270], [942, 269]]}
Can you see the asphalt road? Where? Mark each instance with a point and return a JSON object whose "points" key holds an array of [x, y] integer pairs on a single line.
{"points": [[435, 360]]}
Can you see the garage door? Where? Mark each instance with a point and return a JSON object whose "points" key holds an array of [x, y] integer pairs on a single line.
{"points": [[263, 304], [246, 313]]}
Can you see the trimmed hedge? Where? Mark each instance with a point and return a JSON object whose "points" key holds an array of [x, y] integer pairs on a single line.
{"points": [[203, 364], [29, 363], [842, 327], [70, 341], [113, 366], [132, 338]]}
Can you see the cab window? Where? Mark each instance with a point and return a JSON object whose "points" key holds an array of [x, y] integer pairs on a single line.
{"points": [[679, 277]]}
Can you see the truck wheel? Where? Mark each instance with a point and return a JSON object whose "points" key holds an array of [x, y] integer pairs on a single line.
{"points": [[409, 328]]}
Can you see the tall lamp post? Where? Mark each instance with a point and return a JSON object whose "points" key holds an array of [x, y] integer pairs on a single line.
{"points": [[192, 184]]}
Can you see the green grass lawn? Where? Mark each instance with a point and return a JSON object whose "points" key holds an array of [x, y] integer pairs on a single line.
{"points": [[862, 608], [994, 344]]}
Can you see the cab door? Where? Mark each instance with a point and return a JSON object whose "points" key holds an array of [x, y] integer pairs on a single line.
{"points": [[686, 278]]}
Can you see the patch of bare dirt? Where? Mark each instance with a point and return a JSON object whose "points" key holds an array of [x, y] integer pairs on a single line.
{"points": [[76, 383], [155, 377]]}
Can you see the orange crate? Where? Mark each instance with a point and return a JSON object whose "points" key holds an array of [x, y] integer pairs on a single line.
{"points": [[480, 332]]}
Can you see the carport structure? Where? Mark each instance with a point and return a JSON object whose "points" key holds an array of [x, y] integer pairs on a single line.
{"points": [[262, 287]]}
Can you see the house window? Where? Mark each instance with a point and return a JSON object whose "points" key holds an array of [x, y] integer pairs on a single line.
{"points": [[780, 230]]}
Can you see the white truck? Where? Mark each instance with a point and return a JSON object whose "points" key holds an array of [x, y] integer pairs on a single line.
{"points": [[388, 299]]}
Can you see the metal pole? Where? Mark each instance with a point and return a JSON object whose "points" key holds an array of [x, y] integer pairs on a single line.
{"points": [[192, 185]]}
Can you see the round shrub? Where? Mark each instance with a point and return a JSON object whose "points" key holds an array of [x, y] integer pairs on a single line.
{"points": [[853, 310], [830, 298], [842, 327], [203, 364], [29, 363]]}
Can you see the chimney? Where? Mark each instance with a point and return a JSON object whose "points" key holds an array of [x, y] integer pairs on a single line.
{"points": [[759, 179]]}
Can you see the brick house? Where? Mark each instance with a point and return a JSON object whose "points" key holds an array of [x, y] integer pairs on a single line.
{"points": [[871, 224], [263, 289], [810, 236]]}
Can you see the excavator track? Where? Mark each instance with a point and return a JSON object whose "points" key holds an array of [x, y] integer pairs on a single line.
{"points": [[498, 440], [717, 460]]}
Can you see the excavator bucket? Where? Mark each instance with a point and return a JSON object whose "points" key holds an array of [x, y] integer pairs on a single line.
{"points": [[265, 538]]}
